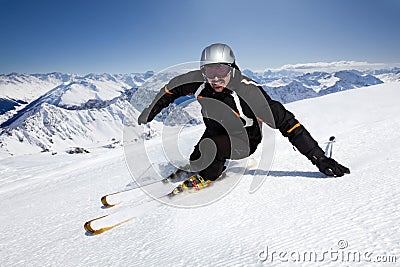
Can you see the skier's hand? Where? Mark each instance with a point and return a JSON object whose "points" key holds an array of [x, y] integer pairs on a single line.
{"points": [[144, 117], [330, 167]]}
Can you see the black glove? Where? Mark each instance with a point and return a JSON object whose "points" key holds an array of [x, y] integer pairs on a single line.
{"points": [[330, 167], [144, 116]]}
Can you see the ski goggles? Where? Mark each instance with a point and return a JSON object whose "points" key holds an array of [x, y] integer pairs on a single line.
{"points": [[216, 70]]}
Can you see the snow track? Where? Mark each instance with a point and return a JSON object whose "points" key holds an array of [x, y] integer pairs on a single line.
{"points": [[46, 199]]}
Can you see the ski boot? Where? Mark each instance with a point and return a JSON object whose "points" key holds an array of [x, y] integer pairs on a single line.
{"points": [[193, 183], [184, 170]]}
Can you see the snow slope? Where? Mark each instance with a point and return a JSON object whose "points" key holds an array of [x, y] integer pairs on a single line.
{"points": [[46, 199]]}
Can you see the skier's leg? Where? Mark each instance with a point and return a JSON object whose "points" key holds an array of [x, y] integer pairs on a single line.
{"points": [[210, 168], [196, 154], [203, 154]]}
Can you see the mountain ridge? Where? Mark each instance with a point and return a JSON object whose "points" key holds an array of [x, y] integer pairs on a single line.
{"points": [[82, 106]]}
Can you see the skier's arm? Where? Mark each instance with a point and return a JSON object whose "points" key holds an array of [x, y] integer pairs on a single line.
{"points": [[290, 127], [276, 116], [298, 135], [181, 85]]}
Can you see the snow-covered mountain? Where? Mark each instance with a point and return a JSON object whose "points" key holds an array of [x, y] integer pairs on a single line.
{"points": [[78, 110], [269, 75], [87, 111], [51, 112], [293, 88], [18, 90], [27, 87], [387, 75], [134, 79]]}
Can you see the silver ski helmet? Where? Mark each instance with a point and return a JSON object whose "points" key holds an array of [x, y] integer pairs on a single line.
{"points": [[217, 53]]}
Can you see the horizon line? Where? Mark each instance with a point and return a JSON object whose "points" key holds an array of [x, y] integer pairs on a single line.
{"points": [[298, 67]]}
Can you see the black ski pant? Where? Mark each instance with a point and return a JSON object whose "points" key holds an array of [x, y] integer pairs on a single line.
{"points": [[211, 152]]}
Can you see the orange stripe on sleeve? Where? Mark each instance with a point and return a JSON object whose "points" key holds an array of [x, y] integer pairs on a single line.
{"points": [[167, 91], [261, 120], [237, 114], [294, 127]]}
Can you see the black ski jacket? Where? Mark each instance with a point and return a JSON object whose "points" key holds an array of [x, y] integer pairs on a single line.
{"points": [[239, 108]]}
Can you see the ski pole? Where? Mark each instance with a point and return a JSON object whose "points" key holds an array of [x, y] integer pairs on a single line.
{"points": [[329, 147]]}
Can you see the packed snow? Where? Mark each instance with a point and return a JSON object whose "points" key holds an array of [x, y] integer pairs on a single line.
{"points": [[45, 200]]}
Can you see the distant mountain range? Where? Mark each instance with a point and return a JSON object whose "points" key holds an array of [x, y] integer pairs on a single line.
{"points": [[55, 111], [295, 87]]}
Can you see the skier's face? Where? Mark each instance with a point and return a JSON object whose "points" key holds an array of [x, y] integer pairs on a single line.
{"points": [[217, 75], [218, 83]]}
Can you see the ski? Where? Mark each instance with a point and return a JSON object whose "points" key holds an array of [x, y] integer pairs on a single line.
{"points": [[158, 189], [105, 223], [91, 228], [194, 183]]}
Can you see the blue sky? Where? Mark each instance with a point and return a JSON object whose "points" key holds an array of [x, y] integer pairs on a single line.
{"points": [[122, 36]]}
